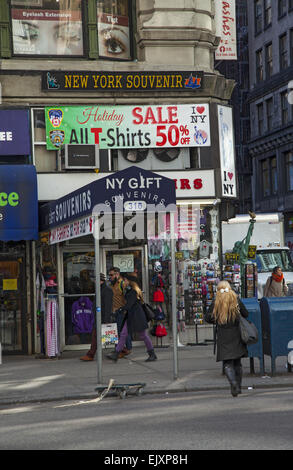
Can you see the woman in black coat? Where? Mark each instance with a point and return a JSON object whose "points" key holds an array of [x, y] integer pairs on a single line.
{"points": [[224, 312], [135, 319]]}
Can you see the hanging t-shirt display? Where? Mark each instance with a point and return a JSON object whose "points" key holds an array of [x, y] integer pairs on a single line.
{"points": [[82, 316]]}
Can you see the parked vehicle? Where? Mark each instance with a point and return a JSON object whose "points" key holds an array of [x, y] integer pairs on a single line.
{"points": [[268, 236]]}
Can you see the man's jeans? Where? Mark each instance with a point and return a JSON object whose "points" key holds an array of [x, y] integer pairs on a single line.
{"points": [[119, 319]]}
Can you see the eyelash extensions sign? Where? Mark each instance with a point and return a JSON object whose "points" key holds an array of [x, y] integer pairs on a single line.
{"points": [[47, 31], [112, 127]]}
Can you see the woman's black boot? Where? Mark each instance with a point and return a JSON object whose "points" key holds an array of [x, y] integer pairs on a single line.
{"points": [[231, 376], [152, 356], [238, 373], [113, 356]]}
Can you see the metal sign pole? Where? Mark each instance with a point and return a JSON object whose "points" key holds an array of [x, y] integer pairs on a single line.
{"points": [[173, 288], [98, 300]]}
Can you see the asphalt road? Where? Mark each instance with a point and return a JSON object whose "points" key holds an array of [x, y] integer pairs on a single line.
{"points": [[257, 419]]}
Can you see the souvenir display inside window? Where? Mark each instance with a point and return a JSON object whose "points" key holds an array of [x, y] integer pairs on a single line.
{"points": [[47, 27], [79, 298], [197, 265], [48, 318], [114, 29]]}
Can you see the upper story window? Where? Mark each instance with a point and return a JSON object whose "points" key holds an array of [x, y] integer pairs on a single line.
{"points": [[114, 29], [283, 51], [258, 16], [282, 8], [260, 119], [269, 60], [291, 46], [268, 13], [284, 107], [270, 113], [259, 66], [47, 27], [72, 28]]}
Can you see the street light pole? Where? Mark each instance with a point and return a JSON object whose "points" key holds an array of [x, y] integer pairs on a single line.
{"points": [[98, 300]]}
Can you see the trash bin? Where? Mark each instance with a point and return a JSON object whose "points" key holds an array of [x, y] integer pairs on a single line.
{"points": [[255, 350], [277, 326]]}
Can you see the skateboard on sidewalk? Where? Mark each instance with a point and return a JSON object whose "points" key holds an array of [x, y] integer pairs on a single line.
{"points": [[122, 390]]}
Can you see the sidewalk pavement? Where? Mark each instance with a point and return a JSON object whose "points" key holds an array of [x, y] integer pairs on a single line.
{"points": [[26, 379]]}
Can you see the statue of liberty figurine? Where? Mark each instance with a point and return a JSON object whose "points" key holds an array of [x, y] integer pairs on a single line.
{"points": [[241, 249]]}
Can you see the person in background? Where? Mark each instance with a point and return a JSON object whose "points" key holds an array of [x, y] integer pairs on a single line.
{"points": [[106, 313], [224, 313], [275, 285], [134, 319], [118, 303]]}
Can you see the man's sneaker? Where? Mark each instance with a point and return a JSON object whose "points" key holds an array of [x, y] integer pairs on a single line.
{"points": [[86, 358], [124, 352]]}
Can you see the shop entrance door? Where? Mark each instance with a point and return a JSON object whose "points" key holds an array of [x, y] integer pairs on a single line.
{"points": [[130, 260], [79, 296], [12, 304]]}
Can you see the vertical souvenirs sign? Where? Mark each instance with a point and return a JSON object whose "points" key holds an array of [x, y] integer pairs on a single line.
{"points": [[225, 16], [227, 151]]}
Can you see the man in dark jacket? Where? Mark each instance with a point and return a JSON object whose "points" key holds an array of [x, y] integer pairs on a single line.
{"points": [[106, 311]]}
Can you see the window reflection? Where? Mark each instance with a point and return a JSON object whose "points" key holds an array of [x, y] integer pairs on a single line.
{"points": [[113, 29], [47, 27]]}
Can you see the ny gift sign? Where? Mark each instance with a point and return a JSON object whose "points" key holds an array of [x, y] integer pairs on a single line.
{"points": [[118, 127], [226, 29]]}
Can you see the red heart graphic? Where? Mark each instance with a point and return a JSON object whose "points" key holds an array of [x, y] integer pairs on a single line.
{"points": [[200, 109], [230, 175]]}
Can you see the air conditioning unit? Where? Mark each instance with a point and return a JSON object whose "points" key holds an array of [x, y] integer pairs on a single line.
{"points": [[81, 156], [155, 159]]}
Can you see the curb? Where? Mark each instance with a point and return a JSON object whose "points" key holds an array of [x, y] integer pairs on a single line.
{"points": [[93, 395]]}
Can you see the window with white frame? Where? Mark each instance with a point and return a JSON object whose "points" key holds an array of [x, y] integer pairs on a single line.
{"points": [[45, 160]]}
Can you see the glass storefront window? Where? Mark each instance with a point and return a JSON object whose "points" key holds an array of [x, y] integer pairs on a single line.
{"points": [[47, 27], [79, 296], [12, 296], [114, 29], [197, 264]]}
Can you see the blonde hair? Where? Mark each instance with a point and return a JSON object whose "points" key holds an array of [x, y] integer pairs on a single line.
{"points": [[226, 304], [137, 289]]}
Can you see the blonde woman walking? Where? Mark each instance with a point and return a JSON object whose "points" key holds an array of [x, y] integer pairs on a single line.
{"points": [[135, 319], [224, 313]]}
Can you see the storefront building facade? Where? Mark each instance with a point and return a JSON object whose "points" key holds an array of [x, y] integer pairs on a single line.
{"points": [[18, 229], [154, 66]]}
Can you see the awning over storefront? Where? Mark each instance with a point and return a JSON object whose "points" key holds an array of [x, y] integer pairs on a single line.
{"points": [[18, 203], [132, 189]]}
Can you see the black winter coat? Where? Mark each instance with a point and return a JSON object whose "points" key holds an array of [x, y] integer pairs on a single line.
{"points": [[106, 303], [136, 319], [229, 344]]}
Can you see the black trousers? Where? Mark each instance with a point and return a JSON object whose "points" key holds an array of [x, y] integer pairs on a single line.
{"points": [[232, 362]]}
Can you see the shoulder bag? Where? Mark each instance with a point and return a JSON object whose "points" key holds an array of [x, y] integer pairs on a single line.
{"points": [[248, 331], [149, 313]]}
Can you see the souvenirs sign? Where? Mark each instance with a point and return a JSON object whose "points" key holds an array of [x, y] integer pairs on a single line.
{"points": [[118, 127], [121, 81]]}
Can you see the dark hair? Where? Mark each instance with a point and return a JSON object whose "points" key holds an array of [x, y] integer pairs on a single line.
{"points": [[129, 277], [276, 269], [116, 270]]}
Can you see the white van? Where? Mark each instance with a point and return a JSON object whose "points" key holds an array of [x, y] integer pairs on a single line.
{"points": [[268, 236], [267, 259]]}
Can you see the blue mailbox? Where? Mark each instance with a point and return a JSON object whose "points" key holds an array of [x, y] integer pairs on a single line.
{"points": [[255, 350], [277, 324]]}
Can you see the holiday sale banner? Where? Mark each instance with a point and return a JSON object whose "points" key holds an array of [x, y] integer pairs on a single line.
{"points": [[118, 127]]}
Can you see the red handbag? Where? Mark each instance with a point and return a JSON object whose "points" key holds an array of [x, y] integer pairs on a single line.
{"points": [[161, 330], [158, 296]]}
